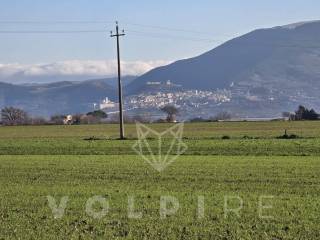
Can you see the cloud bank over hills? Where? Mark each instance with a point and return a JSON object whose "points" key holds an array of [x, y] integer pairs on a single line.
{"points": [[72, 70]]}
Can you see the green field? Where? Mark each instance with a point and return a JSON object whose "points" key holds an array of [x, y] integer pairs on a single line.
{"points": [[85, 161]]}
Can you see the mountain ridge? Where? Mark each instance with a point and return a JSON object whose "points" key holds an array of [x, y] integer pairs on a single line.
{"points": [[63, 97], [227, 61]]}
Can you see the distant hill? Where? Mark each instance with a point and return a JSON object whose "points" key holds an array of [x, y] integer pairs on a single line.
{"points": [[112, 81], [268, 70], [280, 55], [22, 78], [60, 97]]}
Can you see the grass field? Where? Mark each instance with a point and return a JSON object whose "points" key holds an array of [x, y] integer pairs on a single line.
{"points": [[253, 165], [192, 130]]}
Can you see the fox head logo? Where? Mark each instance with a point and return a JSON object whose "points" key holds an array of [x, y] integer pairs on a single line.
{"points": [[159, 149]]}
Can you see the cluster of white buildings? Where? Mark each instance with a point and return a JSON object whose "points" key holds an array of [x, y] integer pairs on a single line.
{"points": [[168, 93], [193, 98]]}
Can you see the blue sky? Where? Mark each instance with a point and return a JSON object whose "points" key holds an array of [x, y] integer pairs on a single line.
{"points": [[215, 22]]}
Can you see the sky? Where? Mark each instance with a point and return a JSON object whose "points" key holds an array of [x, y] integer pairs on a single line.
{"points": [[157, 32]]}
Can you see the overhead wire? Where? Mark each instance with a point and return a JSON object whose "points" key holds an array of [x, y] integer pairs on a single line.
{"points": [[49, 31], [144, 33], [28, 22]]}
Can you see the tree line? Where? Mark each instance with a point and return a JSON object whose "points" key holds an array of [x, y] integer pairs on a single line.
{"points": [[301, 114], [11, 116]]}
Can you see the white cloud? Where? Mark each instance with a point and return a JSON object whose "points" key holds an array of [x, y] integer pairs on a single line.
{"points": [[78, 68]]}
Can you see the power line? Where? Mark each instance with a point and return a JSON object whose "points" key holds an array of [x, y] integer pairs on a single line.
{"points": [[49, 31], [149, 34], [144, 26], [37, 22], [159, 35], [52, 22], [167, 28]]}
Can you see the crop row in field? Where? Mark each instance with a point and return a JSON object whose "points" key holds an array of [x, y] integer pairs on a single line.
{"points": [[192, 130], [255, 147], [292, 182]]}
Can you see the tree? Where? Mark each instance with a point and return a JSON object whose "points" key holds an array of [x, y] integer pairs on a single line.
{"points": [[171, 112], [57, 119], [304, 113], [13, 116], [98, 114], [290, 116], [199, 119], [222, 116], [37, 121], [300, 113], [93, 117], [76, 119], [313, 115]]}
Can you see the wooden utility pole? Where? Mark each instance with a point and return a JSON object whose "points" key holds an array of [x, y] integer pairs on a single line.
{"points": [[117, 35]]}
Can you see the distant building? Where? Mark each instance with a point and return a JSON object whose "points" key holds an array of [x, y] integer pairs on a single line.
{"points": [[153, 83], [106, 103], [167, 83]]}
